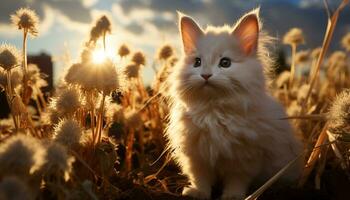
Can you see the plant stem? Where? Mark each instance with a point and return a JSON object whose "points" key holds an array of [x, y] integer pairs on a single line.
{"points": [[25, 67], [9, 95], [313, 156], [332, 22], [100, 118], [104, 41]]}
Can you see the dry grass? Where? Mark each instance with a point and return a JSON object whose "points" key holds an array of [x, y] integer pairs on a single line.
{"points": [[100, 136]]}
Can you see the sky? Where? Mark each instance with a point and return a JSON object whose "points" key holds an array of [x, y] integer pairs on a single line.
{"points": [[148, 24]]}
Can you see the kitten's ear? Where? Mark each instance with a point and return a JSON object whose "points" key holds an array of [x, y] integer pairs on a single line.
{"points": [[190, 33], [247, 32]]}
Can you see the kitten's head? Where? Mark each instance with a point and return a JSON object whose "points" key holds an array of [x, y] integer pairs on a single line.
{"points": [[218, 62]]}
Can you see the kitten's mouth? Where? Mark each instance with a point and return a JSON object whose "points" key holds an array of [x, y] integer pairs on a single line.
{"points": [[207, 84]]}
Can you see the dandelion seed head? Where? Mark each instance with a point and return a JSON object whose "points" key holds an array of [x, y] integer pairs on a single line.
{"points": [[52, 116], [316, 53], [123, 50], [86, 55], [132, 70], [139, 58], [67, 133], [26, 19], [107, 78], [345, 42], [101, 76], [12, 188], [57, 161], [16, 78], [337, 60], [102, 26], [10, 57], [20, 155], [72, 75], [165, 52], [294, 37], [68, 100], [339, 113]]}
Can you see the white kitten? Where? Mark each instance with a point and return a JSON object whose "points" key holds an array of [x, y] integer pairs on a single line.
{"points": [[223, 124]]}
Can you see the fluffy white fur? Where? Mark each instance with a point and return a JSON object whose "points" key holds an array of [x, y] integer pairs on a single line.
{"points": [[227, 128]]}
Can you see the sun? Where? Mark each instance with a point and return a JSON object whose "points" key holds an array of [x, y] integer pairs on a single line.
{"points": [[100, 55]]}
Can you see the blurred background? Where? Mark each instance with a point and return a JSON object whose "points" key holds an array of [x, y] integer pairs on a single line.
{"points": [[148, 24]]}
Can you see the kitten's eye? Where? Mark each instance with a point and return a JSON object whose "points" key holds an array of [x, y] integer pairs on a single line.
{"points": [[197, 62], [225, 62]]}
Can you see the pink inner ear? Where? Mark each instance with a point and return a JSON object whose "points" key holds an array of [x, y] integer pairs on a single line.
{"points": [[190, 33], [247, 33]]}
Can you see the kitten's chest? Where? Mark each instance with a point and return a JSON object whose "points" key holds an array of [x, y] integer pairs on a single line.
{"points": [[216, 134]]}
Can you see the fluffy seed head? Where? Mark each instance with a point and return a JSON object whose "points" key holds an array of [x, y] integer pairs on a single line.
{"points": [[132, 70], [9, 56], [316, 53], [26, 19], [165, 52], [68, 100], [12, 188], [86, 55], [16, 77], [123, 50], [339, 114], [345, 42], [67, 133], [72, 75], [337, 60], [52, 115], [20, 155], [139, 58], [57, 162], [102, 26], [294, 37], [102, 76]]}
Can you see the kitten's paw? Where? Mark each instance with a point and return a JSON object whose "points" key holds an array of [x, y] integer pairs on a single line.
{"points": [[194, 192], [232, 197]]}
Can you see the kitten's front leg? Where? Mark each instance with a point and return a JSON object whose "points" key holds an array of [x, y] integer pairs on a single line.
{"points": [[201, 180], [235, 187]]}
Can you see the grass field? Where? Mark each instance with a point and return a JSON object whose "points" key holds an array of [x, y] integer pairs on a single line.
{"points": [[100, 134]]}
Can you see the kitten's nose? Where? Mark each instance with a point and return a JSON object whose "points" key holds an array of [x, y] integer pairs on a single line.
{"points": [[206, 76]]}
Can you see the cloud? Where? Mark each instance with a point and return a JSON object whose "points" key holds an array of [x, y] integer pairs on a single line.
{"points": [[135, 28], [74, 15], [278, 16], [75, 10], [135, 19]]}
